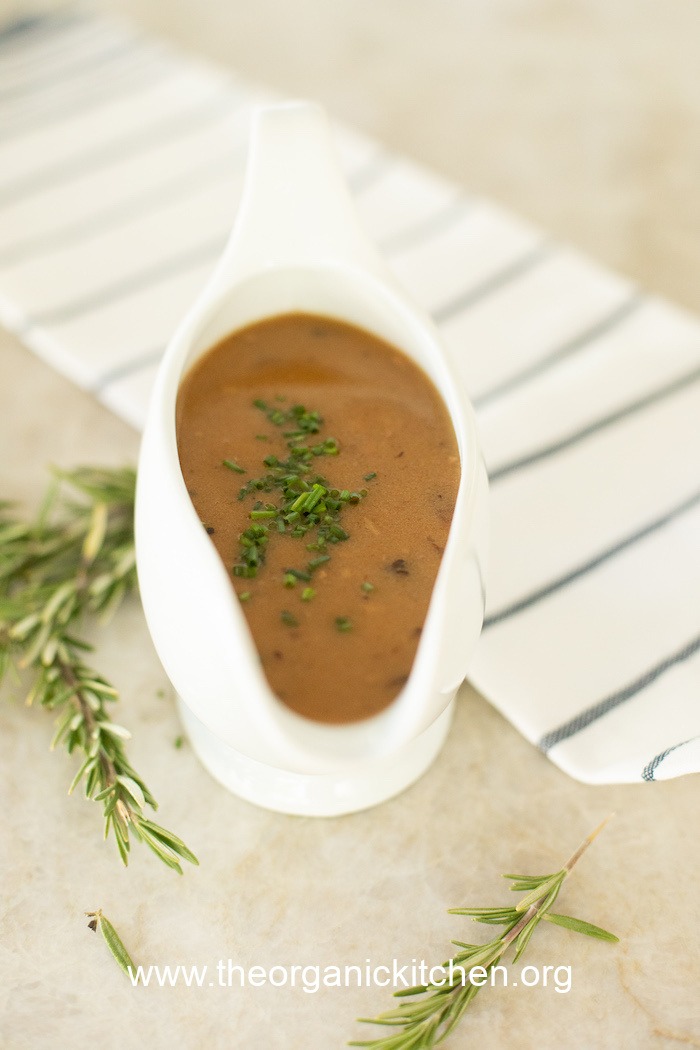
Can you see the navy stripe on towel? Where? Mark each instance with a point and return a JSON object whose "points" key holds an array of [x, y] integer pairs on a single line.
{"points": [[674, 387], [649, 770], [596, 711], [572, 346]]}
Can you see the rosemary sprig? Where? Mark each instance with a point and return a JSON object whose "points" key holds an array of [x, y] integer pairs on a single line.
{"points": [[76, 559], [437, 1008]]}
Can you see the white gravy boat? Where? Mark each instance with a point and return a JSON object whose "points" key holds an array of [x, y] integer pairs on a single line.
{"points": [[297, 246]]}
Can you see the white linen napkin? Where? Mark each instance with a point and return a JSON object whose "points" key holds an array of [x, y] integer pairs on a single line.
{"points": [[120, 167]]}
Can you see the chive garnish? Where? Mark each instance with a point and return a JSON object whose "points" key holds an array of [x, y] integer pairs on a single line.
{"points": [[369, 477], [307, 594], [315, 562], [300, 502], [248, 572], [298, 574], [303, 501], [343, 623], [287, 619], [245, 596], [368, 587], [232, 465]]}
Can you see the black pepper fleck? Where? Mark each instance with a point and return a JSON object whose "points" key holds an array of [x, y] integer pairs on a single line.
{"points": [[399, 567]]}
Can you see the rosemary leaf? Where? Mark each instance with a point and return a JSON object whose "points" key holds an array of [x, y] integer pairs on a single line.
{"points": [[112, 940], [579, 926]]}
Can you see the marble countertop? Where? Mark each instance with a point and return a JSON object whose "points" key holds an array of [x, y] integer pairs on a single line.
{"points": [[584, 119]]}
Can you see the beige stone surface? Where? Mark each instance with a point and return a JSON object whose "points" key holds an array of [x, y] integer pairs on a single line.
{"points": [[584, 117]]}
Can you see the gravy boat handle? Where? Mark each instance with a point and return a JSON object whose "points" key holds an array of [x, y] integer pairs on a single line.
{"points": [[296, 209]]}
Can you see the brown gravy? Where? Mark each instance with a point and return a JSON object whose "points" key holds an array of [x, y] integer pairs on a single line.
{"points": [[336, 642]]}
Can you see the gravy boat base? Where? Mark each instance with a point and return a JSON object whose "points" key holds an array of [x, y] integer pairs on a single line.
{"points": [[322, 794]]}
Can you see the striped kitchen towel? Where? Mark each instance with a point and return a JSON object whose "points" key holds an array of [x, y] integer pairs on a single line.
{"points": [[120, 166]]}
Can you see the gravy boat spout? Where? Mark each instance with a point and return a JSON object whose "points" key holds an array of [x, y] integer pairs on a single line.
{"points": [[297, 246]]}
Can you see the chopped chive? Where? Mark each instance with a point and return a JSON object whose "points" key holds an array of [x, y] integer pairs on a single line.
{"points": [[288, 620], [245, 596], [315, 562], [343, 623], [246, 571], [368, 587], [372, 474], [260, 515], [262, 437], [307, 594], [259, 403], [300, 502], [298, 574], [232, 465], [314, 497], [289, 580]]}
